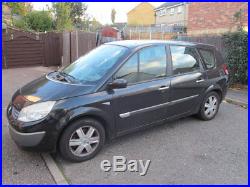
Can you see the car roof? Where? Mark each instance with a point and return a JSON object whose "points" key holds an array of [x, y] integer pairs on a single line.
{"points": [[141, 43]]}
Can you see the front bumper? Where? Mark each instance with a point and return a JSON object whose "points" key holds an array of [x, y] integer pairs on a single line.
{"points": [[39, 136], [26, 139]]}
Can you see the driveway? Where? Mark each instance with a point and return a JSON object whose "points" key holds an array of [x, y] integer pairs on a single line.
{"points": [[186, 151], [20, 167]]}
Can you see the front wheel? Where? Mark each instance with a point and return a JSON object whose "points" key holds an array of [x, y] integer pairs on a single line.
{"points": [[82, 140], [209, 106]]}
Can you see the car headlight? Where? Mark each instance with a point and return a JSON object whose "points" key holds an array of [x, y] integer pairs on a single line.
{"points": [[36, 111]]}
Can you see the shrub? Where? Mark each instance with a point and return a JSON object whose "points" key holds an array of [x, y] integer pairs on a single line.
{"points": [[237, 55], [39, 21], [20, 23]]}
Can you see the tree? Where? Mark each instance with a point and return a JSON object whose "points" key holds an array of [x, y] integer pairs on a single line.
{"points": [[20, 9], [77, 13], [113, 13], [85, 23], [238, 19], [62, 15], [39, 21], [94, 25]]}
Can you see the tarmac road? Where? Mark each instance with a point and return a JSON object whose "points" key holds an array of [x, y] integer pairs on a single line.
{"points": [[187, 151]]}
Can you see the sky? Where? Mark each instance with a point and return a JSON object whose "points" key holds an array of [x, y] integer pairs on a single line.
{"points": [[102, 10]]}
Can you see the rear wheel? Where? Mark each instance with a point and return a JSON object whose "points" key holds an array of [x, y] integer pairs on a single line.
{"points": [[209, 106], [82, 140]]}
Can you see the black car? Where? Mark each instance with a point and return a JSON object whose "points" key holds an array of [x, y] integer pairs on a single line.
{"points": [[117, 88]]}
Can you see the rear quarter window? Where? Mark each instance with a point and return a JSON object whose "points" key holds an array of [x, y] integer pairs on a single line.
{"points": [[208, 58]]}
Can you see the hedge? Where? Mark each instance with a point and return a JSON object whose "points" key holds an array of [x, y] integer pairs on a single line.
{"points": [[237, 55]]}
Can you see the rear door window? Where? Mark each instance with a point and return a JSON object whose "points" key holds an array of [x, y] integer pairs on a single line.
{"points": [[208, 58]]}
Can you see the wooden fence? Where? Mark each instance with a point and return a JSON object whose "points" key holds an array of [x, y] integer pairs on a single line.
{"points": [[215, 40], [30, 49], [76, 44], [22, 49], [55, 49]]}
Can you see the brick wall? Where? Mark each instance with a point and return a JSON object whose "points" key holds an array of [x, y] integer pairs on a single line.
{"points": [[214, 18]]}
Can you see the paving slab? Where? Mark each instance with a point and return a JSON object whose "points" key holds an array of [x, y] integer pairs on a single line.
{"points": [[238, 95]]}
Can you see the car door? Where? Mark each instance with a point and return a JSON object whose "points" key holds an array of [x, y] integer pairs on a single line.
{"points": [[144, 100], [188, 80]]}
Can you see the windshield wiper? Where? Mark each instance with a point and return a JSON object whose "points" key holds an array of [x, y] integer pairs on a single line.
{"points": [[67, 77]]}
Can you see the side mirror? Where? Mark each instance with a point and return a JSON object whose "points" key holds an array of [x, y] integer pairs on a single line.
{"points": [[118, 83]]}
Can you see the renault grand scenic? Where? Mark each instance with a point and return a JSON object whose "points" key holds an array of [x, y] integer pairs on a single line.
{"points": [[117, 88]]}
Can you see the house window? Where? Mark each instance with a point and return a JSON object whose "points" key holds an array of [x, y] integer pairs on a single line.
{"points": [[179, 9], [163, 12], [172, 11]]}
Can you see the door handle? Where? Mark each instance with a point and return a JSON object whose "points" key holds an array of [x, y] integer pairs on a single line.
{"points": [[163, 88], [200, 80]]}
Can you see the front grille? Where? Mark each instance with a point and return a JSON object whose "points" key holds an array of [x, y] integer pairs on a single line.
{"points": [[15, 112]]}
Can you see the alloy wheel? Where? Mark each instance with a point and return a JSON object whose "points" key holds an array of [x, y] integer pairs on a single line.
{"points": [[211, 106], [84, 141]]}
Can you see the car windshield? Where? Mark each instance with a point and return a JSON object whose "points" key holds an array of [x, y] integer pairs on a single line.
{"points": [[91, 67]]}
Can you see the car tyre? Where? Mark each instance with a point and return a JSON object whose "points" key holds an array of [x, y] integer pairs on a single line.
{"points": [[209, 106], [82, 140]]}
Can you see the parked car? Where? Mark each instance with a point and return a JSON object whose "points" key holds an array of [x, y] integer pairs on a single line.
{"points": [[117, 88]]}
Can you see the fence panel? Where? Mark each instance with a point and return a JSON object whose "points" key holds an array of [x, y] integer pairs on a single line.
{"points": [[4, 62], [53, 49], [212, 40], [80, 43], [86, 42], [22, 49], [73, 46], [66, 49]]}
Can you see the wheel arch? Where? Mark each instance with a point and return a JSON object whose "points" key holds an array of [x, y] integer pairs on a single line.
{"points": [[212, 88], [93, 113], [215, 88]]}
